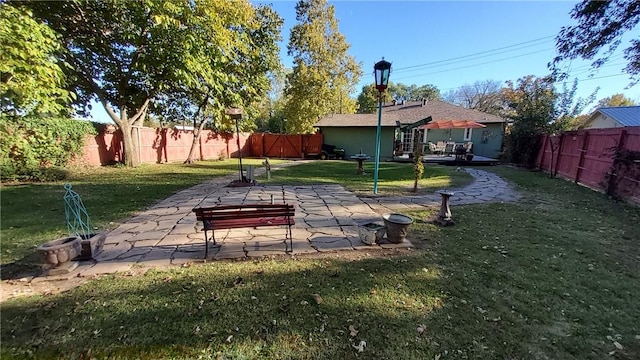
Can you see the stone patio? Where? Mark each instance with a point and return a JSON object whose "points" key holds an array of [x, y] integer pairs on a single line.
{"points": [[327, 219]]}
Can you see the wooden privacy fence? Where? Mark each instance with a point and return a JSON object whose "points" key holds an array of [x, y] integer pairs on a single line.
{"points": [[285, 146], [158, 145], [587, 157]]}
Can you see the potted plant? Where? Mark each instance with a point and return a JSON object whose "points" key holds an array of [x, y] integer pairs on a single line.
{"points": [[397, 226]]}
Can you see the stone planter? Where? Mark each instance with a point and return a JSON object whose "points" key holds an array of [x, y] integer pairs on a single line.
{"points": [[397, 226], [60, 251], [371, 233], [91, 245]]}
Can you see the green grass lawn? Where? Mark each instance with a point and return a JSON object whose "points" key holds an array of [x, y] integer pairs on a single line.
{"points": [[33, 213], [393, 178], [554, 276]]}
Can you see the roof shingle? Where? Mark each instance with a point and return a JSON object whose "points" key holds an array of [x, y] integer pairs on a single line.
{"points": [[409, 113]]}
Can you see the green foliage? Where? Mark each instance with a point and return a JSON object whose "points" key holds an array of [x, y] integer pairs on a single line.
{"points": [[418, 166], [368, 99], [601, 25], [616, 100], [537, 108], [402, 92], [323, 75], [127, 54], [36, 148], [31, 78]]}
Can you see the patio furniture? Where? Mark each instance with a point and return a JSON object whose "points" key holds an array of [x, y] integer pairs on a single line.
{"points": [[449, 148], [461, 152], [249, 215]]}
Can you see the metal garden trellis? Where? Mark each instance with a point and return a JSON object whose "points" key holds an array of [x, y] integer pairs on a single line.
{"points": [[77, 217]]}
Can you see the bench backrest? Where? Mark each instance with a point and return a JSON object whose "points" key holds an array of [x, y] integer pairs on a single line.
{"points": [[237, 216]]}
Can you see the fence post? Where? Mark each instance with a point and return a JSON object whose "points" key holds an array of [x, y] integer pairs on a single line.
{"points": [[583, 150], [543, 152], [611, 186], [554, 169]]}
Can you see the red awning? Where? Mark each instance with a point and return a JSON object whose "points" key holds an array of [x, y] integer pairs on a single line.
{"points": [[452, 124]]}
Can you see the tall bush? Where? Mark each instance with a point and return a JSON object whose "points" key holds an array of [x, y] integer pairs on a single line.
{"points": [[32, 148]]}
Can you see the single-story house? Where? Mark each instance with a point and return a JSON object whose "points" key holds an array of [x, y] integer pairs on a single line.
{"points": [[403, 120], [613, 117]]}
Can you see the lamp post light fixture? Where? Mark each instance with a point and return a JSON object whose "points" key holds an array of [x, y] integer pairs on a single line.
{"points": [[236, 114], [382, 69]]}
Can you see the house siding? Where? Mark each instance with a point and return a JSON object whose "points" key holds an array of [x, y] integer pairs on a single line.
{"points": [[603, 122], [488, 146], [354, 139]]}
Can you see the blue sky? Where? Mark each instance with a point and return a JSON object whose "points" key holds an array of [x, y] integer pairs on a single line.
{"points": [[452, 43]]}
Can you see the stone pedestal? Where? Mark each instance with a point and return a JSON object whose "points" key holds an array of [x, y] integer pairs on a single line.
{"points": [[444, 216]]}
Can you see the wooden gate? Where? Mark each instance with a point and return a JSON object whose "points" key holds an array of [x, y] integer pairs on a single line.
{"points": [[282, 146]]}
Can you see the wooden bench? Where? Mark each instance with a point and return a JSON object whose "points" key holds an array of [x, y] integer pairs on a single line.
{"points": [[249, 215]]}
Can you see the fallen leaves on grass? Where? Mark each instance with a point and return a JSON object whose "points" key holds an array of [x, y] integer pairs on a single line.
{"points": [[317, 298], [352, 331], [421, 329], [360, 346]]}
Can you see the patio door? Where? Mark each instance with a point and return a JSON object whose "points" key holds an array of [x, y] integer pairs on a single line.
{"points": [[411, 135]]}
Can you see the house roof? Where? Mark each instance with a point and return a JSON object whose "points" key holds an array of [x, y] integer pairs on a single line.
{"points": [[408, 113], [625, 115], [357, 120]]}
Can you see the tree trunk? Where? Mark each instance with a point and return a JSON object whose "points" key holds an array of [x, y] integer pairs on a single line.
{"points": [[196, 143], [130, 154], [127, 125]]}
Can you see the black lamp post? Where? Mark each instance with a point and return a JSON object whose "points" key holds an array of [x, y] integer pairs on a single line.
{"points": [[236, 114], [382, 69]]}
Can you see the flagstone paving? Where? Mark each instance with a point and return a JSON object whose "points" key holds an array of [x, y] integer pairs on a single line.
{"points": [[327, 219]]}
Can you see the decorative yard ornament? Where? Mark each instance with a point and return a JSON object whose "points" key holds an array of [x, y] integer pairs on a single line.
{"points": [[382, 69], [78, 221]]}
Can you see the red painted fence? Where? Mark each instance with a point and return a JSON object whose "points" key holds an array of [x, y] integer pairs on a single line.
{"points": [[586, 157], [158, 145]]}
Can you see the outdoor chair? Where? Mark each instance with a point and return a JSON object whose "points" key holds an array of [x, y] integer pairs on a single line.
{"points": [[449, 148], [439, 147]]}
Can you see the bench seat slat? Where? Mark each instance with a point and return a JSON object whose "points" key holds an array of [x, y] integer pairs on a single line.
{"points": [[234, 223]]}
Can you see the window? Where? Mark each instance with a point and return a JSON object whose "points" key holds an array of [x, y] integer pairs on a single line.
{"points": [[467, 134]]}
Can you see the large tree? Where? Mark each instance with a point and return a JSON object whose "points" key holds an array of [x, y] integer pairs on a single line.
{"points": [[127, 53], [536, 107], [483, 96], [368, 97], [31, 78], [616, 100], [601, 25], [403, 92], [237, 71], [323, 74]]}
